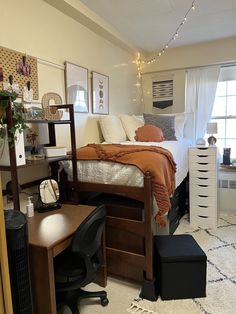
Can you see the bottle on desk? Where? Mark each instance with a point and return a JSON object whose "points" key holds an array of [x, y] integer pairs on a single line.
{"points": [[30, 207]]}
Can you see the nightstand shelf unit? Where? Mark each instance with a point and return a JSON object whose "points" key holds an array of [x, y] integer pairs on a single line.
{"points": [[52, 161], [203, 166]]}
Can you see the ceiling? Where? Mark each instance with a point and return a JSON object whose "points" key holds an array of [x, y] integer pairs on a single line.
{"points": [[150, 24]]}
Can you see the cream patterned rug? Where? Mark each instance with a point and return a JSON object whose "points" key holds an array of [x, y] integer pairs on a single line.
{"points": [[220, 248]]}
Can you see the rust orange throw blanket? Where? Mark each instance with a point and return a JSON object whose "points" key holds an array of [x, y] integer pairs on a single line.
{"points": [[157, 160]]}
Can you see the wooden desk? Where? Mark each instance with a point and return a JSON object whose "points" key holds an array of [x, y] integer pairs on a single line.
{"points": [[49, 234]]}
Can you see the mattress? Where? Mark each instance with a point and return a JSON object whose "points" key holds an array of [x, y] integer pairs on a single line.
{"points": [[107, 172]]}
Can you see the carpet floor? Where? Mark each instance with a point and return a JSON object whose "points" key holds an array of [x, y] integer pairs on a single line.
{"points": [[220, 248]]}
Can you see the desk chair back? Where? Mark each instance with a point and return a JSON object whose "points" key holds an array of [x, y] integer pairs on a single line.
{"points": [[86, 242], [77, 266]]}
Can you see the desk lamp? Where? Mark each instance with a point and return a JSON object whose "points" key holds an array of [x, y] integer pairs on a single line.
{"points": [[211, 129]]}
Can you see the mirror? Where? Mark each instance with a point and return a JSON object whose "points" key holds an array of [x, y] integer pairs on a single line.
{"points": [[48, 195]]}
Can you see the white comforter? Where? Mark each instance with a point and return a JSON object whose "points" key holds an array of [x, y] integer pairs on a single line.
{"points": [[128, 175]]}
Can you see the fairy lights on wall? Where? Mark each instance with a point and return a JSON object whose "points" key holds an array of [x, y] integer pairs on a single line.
{"points": [[174, 37]]}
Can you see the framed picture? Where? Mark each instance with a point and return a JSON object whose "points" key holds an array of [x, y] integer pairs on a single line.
{"points": [[100, 93], [76, 78]]}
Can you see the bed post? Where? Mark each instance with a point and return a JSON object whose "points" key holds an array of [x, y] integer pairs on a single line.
{"points": [[148, 290]]}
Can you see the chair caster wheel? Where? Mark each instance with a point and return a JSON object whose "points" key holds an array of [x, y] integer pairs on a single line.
{"points": [[104, 301]]}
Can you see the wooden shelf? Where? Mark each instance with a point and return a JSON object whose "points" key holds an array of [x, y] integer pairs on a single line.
{"points": [[52, 142], [38, 162], [38, 121]]}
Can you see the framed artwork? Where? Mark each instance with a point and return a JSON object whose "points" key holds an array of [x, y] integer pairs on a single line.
{"points": [[100, 93], [76, 78], [162, 92]]}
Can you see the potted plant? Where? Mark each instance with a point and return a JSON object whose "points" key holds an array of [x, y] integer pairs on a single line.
{"points": [[8, 97]]}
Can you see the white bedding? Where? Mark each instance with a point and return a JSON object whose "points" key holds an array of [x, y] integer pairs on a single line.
{"points": [[115, 173]]}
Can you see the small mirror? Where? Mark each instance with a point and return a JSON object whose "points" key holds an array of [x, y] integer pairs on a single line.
{"points": [[49, 195]]}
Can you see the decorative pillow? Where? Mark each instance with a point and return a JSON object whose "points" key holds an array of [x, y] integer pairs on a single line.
{"points": [[112, 129], [149, 133], [130, 124], [180, 119], [166, 123]]}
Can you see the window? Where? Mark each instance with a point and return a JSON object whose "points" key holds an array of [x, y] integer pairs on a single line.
{"points": [[224, 113]]}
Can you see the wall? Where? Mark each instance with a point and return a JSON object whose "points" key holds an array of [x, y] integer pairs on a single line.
{"points": [[174, 62], [38, 29]]}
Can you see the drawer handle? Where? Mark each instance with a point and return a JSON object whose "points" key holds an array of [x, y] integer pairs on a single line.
{"points": [[202, 170], [202, 156], [202, 148], [202, 216], [203, 163], [203, 185], [202, 178], [202, 206], [202, 195]]}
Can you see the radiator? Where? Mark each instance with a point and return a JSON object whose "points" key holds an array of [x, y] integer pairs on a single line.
{"points": [[227, 191]]}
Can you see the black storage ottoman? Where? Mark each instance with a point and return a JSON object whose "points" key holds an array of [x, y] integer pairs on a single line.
{"points": [[180, 267]]}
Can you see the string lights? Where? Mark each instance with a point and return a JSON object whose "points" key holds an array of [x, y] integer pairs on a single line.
{"points": [[174, 36]]}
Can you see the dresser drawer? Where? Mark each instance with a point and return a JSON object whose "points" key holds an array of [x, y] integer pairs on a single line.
{"points": [[203, 221], [209, 211], [202, 174], [202, 166], [211, 159], [202, 181], [202, 151], [209, 190], [203, 200]]}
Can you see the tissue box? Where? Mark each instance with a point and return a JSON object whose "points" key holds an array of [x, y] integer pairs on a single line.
{"points": [[54, 151]]}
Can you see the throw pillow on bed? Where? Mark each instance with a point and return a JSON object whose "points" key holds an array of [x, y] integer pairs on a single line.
{"points": [[166, 123], [180, 119], [130, 124], [149, 133], [112, 129]]}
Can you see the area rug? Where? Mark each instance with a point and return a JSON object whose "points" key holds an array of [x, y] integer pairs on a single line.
{"points": [[220, 247]]}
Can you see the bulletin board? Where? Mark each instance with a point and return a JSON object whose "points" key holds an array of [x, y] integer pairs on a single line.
{"points": [[10, 61]]}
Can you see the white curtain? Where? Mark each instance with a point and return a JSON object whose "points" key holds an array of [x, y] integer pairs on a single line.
{"points": [[201, 86]]}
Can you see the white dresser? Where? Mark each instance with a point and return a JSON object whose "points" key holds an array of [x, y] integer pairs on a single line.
{"points": [[203, 166]]}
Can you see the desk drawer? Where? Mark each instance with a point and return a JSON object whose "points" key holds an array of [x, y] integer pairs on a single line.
{"points": [[209, 211], [203, 200], [203, 159], [202, 174], [203, 190], [203, 151], [203, 166], [203, 221], [202, 181]]}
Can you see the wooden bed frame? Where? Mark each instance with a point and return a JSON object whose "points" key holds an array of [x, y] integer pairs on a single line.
{"points": [[129, 236]]}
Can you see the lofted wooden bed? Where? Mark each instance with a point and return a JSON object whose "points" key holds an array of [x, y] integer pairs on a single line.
{"points": [[130, 221], [129, 228]]}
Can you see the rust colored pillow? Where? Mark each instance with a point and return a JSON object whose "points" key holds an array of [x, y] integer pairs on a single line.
{"points": [[149, 133]]}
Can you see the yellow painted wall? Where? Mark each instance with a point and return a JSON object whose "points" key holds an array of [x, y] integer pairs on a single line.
{"points": [[175, 60], [214, 52], [36, 28]]}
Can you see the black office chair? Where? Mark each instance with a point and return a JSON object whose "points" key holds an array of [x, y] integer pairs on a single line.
{"points": [[77, 266]]}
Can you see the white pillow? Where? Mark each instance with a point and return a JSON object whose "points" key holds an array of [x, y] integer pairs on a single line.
{"points": [[180, 119], [131, 124], [179, 125], [112, 129]]}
